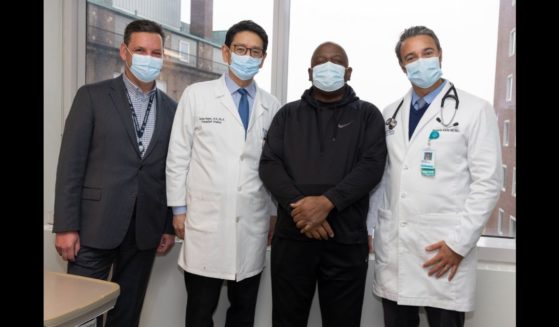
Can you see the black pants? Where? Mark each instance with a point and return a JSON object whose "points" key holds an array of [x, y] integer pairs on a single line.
{"points": [[340, 271], [408, 316], [203, 297], [131, 271]]}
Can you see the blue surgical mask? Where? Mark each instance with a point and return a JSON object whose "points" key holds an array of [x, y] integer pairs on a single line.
{"points": [[424, 72], [145, 68], [244, 67], [328, 76]]}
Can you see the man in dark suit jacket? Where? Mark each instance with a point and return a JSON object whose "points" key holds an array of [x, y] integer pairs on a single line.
{"points": [[110, 206]]}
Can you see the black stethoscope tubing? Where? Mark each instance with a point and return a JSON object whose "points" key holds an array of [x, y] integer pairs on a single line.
{"points": [[391, 122]]}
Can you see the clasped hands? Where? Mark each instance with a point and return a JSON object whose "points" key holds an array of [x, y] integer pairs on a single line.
{"points": [[309, 215]]}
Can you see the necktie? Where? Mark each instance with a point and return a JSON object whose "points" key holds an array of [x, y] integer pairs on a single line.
{"points": [[243, 107], [415, 115], [420, 104]]}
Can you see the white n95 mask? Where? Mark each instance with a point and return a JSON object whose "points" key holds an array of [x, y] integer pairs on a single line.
{"points": [[245, 67], [328, 76], [145, 68], [424, 72]]}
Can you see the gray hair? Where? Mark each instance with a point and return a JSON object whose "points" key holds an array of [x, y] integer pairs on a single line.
{"points": [[415, 31]]}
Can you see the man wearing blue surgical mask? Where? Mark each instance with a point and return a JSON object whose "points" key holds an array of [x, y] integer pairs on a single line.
{"points": [[221, 209], [441, 183], [110, 208], [323, 155]]}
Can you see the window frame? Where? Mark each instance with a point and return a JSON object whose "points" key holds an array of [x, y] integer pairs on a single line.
{"points": [[512, 222], [184, 56], [506, 132], [513, 182], [512, 42], [500, 219], [509, 84], [504, 183]]}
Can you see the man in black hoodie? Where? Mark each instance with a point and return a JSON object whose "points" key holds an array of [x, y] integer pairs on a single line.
{"points": [[322, 156]]}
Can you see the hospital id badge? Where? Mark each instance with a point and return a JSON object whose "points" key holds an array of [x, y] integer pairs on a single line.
{"points": [[428, 162]]}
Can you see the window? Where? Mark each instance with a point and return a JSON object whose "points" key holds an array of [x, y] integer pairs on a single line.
{"points": [[506, 128], [509, 88], [368, 34], [513, 186], [184, 51], [162, 85], [512, 226], [192, 47], [503, 188], [512, 42], [500, 221], [224, 14]]}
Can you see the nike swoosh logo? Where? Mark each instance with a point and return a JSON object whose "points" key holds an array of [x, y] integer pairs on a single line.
{"points": [[344, 125]]}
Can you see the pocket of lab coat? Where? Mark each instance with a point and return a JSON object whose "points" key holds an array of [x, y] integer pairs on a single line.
{"points": [[203, 211], [421, 231], [260, 215], [427, 229], [383, 237]]}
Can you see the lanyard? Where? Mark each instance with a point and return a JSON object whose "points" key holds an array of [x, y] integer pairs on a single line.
{"points": [[140, 129]]}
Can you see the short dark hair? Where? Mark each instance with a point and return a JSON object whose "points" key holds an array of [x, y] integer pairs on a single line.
{"points": [[143, 25], [246, 25], [415, 31]]}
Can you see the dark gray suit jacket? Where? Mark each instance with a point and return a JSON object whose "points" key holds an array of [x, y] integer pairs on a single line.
{"points": [[101, 177]]}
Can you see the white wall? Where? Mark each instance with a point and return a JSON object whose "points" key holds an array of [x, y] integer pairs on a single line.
{"points": [[165, 303], [64, 72], [52, 99]]}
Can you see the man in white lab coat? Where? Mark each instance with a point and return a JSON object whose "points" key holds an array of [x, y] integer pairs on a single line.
{"points": [[220, 207], [442, 181]]}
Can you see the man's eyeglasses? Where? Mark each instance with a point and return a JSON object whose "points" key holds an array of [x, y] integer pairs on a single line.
{"points": [[241, 50]]}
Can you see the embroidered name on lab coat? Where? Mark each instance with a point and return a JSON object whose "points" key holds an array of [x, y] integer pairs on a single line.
{"points": [[211, 120]]}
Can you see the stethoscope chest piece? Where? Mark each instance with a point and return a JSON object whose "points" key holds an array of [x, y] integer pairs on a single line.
{"points": [[391, 123]]}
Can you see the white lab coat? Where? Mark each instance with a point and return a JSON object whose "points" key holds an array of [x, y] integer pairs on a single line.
{"points": [[214, 171], [411, 211]]}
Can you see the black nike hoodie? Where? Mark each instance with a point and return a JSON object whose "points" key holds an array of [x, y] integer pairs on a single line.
{"points": [[333, 149]]}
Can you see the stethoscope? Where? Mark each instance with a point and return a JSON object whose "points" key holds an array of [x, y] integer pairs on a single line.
{"points": [[391, 122]]}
